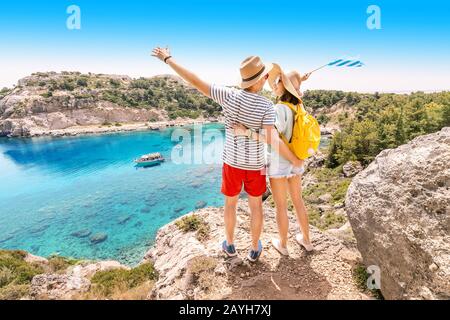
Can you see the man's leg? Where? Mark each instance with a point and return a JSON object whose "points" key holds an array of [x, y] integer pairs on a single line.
{"points": [[256, 220], [230, 217]]}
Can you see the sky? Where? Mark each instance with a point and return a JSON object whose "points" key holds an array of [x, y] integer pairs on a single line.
{"points": [[410, 52]]}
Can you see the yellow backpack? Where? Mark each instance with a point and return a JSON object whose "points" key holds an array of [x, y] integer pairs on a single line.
{"points": [[305, 132]]}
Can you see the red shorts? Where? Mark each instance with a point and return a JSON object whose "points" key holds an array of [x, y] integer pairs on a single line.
{"points": [[254, 181]]}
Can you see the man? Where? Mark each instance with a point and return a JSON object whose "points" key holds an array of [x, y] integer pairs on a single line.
{"points": [[243, 158]]}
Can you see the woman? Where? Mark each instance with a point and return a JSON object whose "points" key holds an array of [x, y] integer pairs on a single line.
{"points": [[283, 176]]}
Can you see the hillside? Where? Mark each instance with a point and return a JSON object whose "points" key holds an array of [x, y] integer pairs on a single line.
{"points": [[54, 101]]}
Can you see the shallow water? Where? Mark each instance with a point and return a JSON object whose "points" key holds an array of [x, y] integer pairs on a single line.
{"points": [[55, 193]]}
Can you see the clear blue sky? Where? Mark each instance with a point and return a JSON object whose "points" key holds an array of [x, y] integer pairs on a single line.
{"points": [[410, 52]]}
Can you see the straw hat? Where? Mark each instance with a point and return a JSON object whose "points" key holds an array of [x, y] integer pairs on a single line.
{"points": [[253, 70], [291, 81]]}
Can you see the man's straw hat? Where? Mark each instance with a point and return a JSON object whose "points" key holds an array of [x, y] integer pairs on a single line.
{"points": [[291, 81], [252, 70]]}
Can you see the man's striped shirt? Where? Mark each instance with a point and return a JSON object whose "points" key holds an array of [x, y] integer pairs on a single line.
{"points": [[251, 110]]}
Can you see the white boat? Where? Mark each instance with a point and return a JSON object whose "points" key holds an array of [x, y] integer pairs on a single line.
{"points": [[148, 160]]}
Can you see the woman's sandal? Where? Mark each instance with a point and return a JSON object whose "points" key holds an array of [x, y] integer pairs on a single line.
{"points": [[277, 245], [309, 247]]}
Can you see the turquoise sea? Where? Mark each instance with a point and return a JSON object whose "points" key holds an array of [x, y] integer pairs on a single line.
{"points": [[56, 193]]}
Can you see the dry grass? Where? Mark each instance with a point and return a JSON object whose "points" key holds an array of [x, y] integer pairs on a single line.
{"points": [[202, 269], [112, 284]]}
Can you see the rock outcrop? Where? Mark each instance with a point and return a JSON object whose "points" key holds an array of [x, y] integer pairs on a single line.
{"points": [[352, 168], [196, 269], [74, 281], [47, 102], [399, 209]]}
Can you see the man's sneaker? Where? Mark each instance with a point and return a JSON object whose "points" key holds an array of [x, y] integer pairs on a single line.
{"points": [[254, 255], [229, 250]]}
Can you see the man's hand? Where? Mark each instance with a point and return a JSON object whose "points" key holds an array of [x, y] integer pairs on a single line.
{"points": [[299, 163], [164, 53], [161, 53], [240, 130]]}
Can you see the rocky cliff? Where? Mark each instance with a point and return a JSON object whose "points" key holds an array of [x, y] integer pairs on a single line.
{"points": [[190, 265], [50, 101], [193, 267], [399, 208]]}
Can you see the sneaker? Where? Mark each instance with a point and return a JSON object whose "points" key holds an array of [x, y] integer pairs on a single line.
{"points": [[277, 245], [229, 250], [254, 255], [299, 237]]}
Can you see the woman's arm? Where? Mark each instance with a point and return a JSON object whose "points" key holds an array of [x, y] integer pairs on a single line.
{"points": [[188, 76]]}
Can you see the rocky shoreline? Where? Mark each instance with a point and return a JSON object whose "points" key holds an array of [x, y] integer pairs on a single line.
{"points": [[113, 128]]}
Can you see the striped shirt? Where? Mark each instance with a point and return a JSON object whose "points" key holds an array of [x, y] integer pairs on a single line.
{"points": [[253, 111]]}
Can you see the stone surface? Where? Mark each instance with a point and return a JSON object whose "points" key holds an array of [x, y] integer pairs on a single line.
{"points": [[352, 168], [75, 281], [399, 209], [98, 238], [322, 274], [29, 111], [57, 286]]}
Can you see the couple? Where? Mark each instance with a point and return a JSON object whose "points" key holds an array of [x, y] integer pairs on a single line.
{"points": [[250, 121]]}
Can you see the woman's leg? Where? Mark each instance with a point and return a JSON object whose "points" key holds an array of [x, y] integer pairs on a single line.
{"points": [[295, 190], [279, 193]]}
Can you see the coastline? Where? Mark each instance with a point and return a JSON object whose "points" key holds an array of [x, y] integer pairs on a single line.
{"points": [[109, 129]]}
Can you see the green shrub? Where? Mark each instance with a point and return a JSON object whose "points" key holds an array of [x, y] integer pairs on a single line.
{"points": [[58, 264], [189, 223], [4, 92], [116, 280], [47, 94], [115, 83], [67, 85], [192, 223], [82, 82], [15, 270]]}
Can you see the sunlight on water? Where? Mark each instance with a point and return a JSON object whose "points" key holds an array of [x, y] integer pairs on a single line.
{"points": [[56, 193]]}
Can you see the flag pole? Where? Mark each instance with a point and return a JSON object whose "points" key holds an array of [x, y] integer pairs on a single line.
{"points": [[319, 68]]}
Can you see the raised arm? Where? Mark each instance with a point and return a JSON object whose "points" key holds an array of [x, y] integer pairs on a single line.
{"points": [[188, 76]]}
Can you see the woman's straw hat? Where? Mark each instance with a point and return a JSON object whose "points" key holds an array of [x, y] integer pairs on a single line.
{"points": [[252, 70], [291, 81]]}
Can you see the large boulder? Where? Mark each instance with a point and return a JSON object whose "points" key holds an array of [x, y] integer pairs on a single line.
{"points": [[399, 209]]}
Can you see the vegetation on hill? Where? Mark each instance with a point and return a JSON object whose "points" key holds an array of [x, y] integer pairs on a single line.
{"points": [[4, 92], [374, 122], [167, 93], [369, 123], [16, 274], [385, 121]]}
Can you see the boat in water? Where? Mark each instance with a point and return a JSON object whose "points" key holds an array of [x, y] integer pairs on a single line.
{"points": [[149, 160]]}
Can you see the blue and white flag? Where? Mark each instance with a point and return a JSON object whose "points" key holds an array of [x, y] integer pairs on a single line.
{"points": [[346, 63], [350, 63]]}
